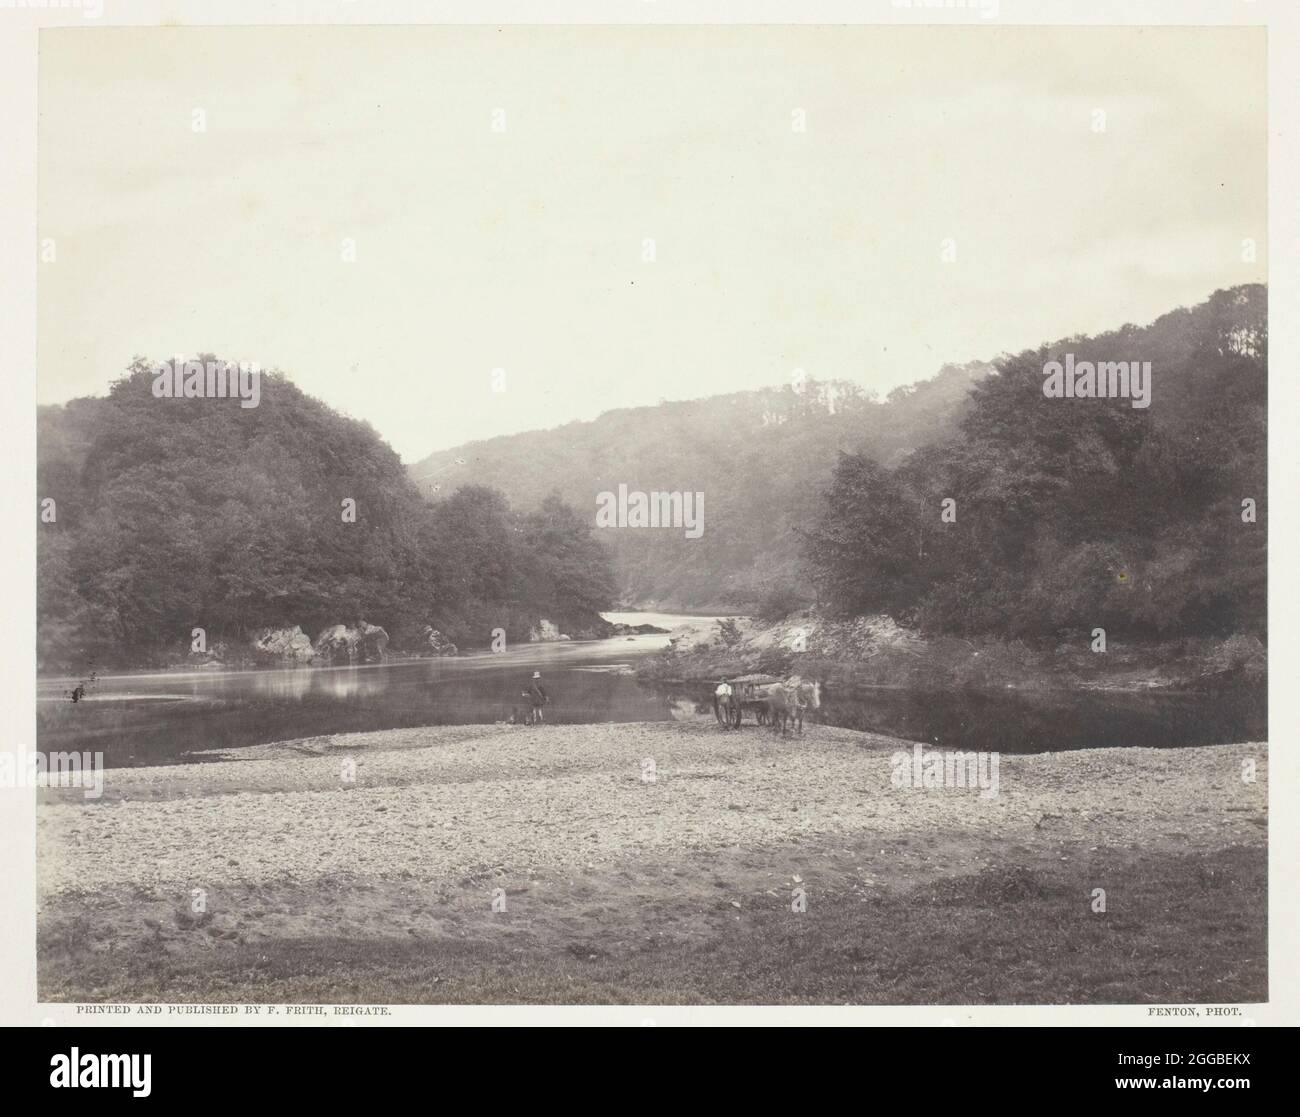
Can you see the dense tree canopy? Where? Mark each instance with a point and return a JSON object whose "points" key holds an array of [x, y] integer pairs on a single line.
{"points": [[175, 513], [1074, 512]]}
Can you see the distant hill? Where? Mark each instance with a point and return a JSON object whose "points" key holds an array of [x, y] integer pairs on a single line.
{"points": [[765, 462], [761, 458]]}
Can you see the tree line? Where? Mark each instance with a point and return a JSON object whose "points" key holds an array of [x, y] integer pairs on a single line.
{"points": [[1041, 515], [175, 513]]}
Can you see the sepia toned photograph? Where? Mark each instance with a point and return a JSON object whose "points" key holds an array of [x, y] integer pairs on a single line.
{"points": [[664, 515]]}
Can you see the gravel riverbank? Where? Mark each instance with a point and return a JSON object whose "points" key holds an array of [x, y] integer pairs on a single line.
{"points": [[409, 833]]}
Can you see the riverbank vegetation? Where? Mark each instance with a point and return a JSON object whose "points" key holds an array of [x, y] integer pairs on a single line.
{"points": [[1047, 517], [876, 651], [1046, 542], [172, 514]]}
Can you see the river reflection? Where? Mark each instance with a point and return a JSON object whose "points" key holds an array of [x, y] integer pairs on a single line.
{"points": [[1015, 721], [169, 716], [299, 682]]}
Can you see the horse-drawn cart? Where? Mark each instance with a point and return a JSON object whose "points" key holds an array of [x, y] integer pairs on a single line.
{"points": [[748, 692], [779, 703]]}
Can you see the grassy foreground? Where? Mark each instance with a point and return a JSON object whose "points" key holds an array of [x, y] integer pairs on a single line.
{"points": [[1192, 929]]}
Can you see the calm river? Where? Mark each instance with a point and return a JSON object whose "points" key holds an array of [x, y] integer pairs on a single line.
{"points": [[167, 717]]}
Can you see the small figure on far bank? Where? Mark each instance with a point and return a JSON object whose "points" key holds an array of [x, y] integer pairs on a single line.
{"points": [[537, 698], [79, 691]]}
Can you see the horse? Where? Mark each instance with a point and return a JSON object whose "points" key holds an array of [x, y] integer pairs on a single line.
{"points": [[785, 703], [808, 696]]}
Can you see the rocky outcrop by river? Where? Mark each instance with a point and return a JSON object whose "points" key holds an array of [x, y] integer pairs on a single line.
{"points": [[291, 644], [366, 643]]}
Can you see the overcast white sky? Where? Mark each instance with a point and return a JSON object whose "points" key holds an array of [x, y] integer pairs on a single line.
{"points": [[522, 250]]}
